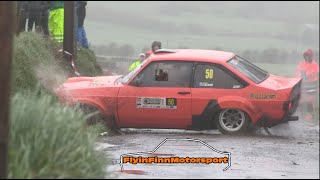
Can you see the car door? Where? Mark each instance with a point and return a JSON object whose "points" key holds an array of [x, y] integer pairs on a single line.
{"points": [[160, 99], [211, 82]]}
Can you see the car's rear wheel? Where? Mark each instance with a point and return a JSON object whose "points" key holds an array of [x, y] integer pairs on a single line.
{"points": [[232, 121]]}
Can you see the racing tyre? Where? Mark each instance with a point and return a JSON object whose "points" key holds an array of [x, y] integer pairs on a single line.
{"points": [[232, 121], [95, 117], [95, 114]]}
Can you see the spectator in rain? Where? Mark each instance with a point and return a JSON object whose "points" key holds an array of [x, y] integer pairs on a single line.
{"points": [[142, 57], [154, 47], [22, 16], [56, 20], [81, 33], [38, 16], [45, 18], [308, 70]]}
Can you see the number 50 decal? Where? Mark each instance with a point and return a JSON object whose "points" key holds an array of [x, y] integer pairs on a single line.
{"points": [[209, 73], [171, 102]]}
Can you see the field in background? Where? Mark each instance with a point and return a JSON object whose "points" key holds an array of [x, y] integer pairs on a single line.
{"points": [[108, 33], [287, 70], [121, 64], [203, 25]]}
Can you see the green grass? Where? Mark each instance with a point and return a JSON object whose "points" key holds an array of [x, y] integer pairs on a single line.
{"points": [[48, 140], [30, 53], [87, 64], [36, 59], [51, 141]]}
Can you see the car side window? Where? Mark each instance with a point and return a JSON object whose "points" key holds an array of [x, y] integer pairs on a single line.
{"points": [[212, 76], [166, 74]]}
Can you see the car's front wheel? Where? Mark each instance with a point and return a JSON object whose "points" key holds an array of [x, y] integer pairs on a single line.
{"points": [[95, 114], [232, 121]]}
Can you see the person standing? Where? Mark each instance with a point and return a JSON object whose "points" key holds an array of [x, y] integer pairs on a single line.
{"points": [[56, 20], [35, 10], [44, 20], [22, 16], [308, 70], [142, 57], [156, 45], [81, 33]]}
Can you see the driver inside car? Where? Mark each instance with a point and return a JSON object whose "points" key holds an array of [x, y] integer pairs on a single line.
{"points": [[161, 75]]}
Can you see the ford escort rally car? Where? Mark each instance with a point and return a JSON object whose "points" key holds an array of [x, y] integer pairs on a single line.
{"points": [[188, 89]]}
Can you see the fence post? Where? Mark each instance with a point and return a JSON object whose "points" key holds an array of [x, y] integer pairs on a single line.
{"points": [[7, 31], [69, 34]]}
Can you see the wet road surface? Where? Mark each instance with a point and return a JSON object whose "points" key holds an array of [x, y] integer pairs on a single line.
{"points": [[292, 152]]}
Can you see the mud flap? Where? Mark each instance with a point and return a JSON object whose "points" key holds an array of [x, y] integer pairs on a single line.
{"points": [[290, 118], [293, 118], [267, 131], [202, 121]]}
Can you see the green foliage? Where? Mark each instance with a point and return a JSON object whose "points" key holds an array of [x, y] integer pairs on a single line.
{"points": [[48, 140], [37, 59], [86, 63], [51, 141], [30, 50]]}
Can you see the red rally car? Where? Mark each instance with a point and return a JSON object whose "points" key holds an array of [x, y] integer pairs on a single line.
{"points": [[188, 89]]}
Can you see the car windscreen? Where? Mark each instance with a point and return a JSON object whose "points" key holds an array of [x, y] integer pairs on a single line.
{"points": [[127, 77], [248, 69]]}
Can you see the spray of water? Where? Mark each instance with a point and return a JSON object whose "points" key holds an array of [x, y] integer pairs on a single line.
{"points": [[301, 130], [50, 77]]}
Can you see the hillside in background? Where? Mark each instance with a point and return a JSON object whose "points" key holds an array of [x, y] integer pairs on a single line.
{"points": [[231, 26]]}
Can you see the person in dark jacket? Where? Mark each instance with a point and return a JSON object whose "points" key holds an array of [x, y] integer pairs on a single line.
{"points": [[44, 20], [22, 16], [38, 16], [35, 10], [81, 33]]}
